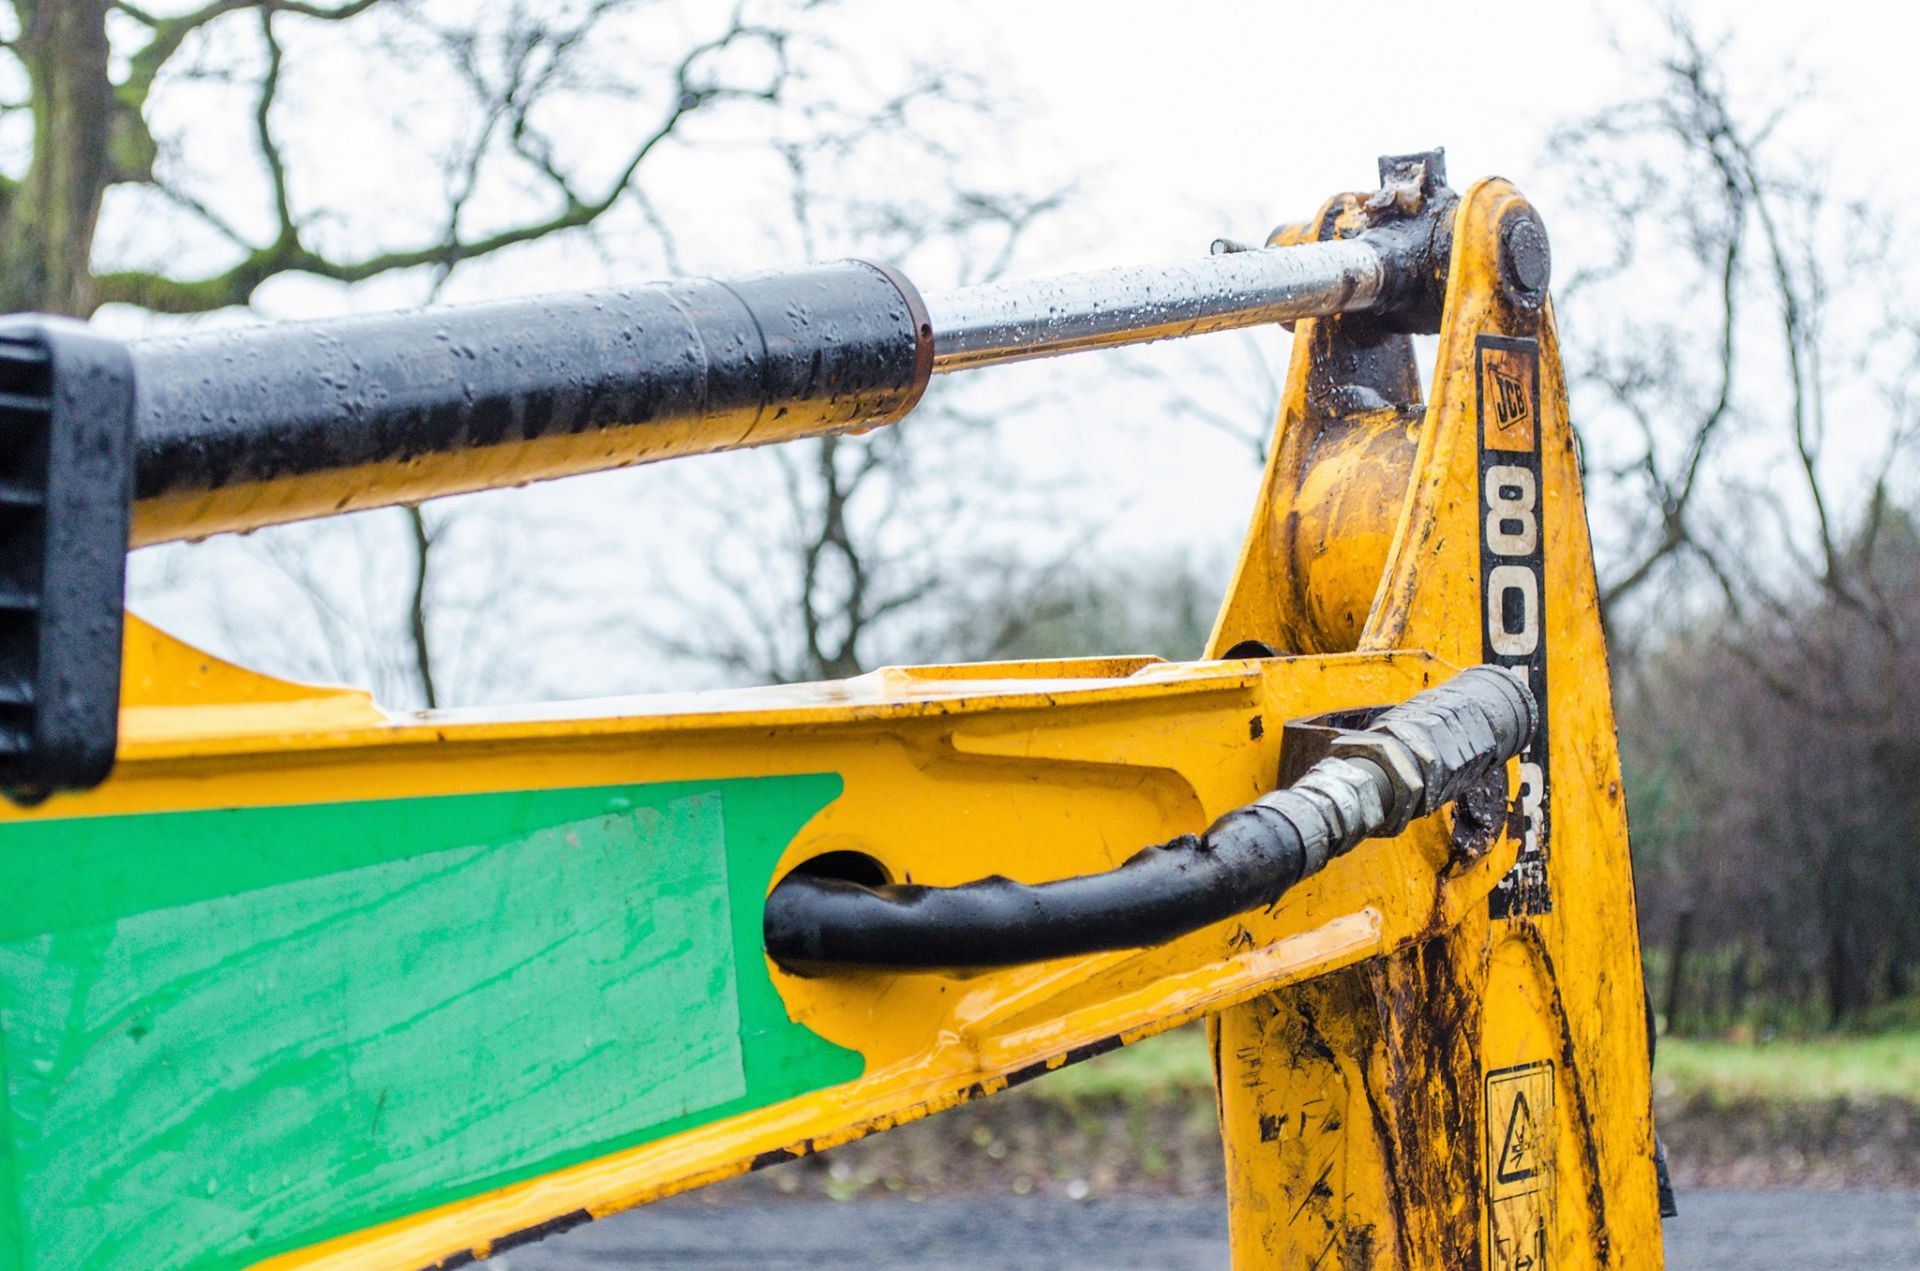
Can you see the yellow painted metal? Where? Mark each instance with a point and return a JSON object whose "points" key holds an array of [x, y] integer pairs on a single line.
{"points": [[1360, 1021], [1367, 1113], [1035, 770]]}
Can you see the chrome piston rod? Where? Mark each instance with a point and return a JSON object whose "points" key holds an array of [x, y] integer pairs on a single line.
{"points": [[235, 430], [1045, 317]]}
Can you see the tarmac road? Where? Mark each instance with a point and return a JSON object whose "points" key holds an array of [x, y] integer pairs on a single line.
{"points": [[1716, 1231]]}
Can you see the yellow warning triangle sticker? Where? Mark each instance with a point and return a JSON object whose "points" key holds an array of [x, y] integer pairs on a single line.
{"points": [[1520, 1147]]}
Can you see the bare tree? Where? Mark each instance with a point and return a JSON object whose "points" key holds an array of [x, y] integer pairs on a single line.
{"points": [[1709, 348], [1103, 602], [97, 74], [826, 556], [829, 555], [1781, 830], [1759, 558], [337, 601], [184, 160], [1231, 385]]}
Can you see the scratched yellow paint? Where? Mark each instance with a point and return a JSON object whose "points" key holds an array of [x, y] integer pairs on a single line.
{"points": [[1034, 770], [1356, 1105], [1358, 1019]]}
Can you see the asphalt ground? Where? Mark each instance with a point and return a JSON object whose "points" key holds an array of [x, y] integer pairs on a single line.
{"points": [[1774, 1230]]}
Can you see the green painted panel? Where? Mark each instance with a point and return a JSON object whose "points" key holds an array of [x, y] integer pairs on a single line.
{"points": [[226, 1034]]}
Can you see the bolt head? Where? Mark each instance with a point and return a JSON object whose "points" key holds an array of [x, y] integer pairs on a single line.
{"points": [[1526, 261]]}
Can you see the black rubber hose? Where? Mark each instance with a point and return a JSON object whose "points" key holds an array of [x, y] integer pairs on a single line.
{"points": [[1412, 760]]}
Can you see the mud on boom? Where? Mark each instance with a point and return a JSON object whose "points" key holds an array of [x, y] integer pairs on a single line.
{"points": [[299, 982]]}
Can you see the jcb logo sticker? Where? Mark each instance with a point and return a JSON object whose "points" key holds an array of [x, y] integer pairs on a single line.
{"points": [[1509, 391], [1513, 584]]}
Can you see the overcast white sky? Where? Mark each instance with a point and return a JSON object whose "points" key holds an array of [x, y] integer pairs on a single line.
{"points": [[1171, 114], [1179, 122], [1189, 119]]}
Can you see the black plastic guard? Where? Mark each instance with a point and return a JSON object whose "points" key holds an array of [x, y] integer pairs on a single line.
{"points": [[66, 485]]}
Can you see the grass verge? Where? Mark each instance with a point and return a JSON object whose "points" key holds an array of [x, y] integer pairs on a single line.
{"points": [[1785, 1070], [1791, 1071], [1839, 1112]]}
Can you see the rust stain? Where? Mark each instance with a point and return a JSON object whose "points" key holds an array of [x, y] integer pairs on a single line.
{"points": [[1479, 815], [1431, 1020]]}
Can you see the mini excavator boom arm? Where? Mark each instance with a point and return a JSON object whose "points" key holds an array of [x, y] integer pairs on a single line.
{"points": [[305, 983]]}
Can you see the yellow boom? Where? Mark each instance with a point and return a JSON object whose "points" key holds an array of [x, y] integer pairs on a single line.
{"points": [[304, 983]]}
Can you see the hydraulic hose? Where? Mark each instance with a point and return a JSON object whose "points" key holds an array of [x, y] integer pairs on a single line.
{"points": [[1410, 762]]}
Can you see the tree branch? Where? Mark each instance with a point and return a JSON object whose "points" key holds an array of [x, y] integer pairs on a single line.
{"points": [[288, 253]]}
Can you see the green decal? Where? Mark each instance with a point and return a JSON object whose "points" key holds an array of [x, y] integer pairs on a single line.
{"points": [[228, 1034]]}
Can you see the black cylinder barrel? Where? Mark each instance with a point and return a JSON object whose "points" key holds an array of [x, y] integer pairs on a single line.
{"points": [[242, 428]]}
